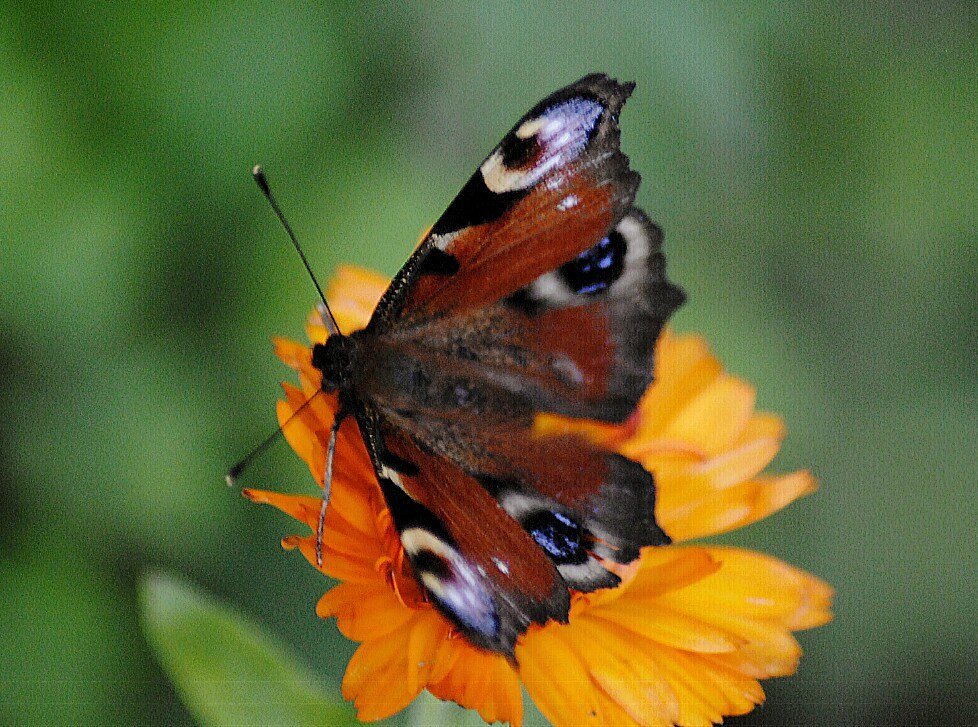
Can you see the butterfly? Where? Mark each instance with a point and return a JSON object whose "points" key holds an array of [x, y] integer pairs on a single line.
{"points": [[541, 289]]}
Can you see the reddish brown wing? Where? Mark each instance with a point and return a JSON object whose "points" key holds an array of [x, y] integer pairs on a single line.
{"points": [[477, 564], [552, 189], [577, 341], [577, 502]]}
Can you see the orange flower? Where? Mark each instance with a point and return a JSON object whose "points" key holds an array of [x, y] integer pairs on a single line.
{"points": [[686, 636]]}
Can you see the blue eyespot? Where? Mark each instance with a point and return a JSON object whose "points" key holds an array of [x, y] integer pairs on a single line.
{"points": [[561, 537], [598, 267]]}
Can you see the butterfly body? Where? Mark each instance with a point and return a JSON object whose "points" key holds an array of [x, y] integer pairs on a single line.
{"points": [[540, 290]]}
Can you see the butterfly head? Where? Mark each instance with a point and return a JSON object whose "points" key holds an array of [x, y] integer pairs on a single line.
{"points": [[336, 359]]}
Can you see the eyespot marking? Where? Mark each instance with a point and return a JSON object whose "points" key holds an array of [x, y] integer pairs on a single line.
{"points": [[597, 268], [451, 581], [391, 474], [562, 538], [554, 138]]}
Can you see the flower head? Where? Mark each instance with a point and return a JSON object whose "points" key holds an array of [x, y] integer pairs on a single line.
{"points": [[684, 639]]}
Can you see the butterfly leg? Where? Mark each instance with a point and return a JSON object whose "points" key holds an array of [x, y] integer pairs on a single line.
{"points": [[327, 484]]}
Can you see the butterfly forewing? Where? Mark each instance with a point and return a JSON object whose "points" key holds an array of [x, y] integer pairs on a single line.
{"points": [[550, 190]]}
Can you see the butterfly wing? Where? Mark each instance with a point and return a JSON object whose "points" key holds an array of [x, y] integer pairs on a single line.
{"points": [[541, 288], [476, 563], [550, 190]]}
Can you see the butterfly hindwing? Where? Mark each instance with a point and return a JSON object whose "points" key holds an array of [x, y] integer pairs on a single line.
{"points": [[580, 503], [601, 314], [476, 563]]}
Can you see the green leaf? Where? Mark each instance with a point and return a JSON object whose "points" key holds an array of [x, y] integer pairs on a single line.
{"points": [[226, 669]]}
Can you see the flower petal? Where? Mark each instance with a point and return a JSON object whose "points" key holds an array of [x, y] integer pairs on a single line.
{"points": [[683, 367], [715, 417], [624, 673], [761, 600], [364, 611], [557, 679], [478, 680], [293, 354], [707, 689], [353, 294], [686, 515]]}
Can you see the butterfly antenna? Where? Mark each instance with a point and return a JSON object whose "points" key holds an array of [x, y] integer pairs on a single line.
{"points": [[235, 472], [262, 181], [327, 485]]}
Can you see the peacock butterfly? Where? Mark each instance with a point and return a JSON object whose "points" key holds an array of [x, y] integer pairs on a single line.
{"points": [[541, 289]]}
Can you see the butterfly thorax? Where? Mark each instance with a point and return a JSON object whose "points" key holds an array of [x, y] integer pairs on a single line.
{"points": [[337, 360]]}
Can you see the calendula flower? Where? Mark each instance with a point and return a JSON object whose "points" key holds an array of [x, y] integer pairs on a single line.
{"points": [[684, 639]]}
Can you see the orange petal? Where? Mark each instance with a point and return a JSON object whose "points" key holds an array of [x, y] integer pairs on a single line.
{"points": [[683, 367], [554, 425], [739, 463], [707, 689], [294, 355], [686, 515], [364, 611], [761, 585], [715, 416], [663, 570], [624, 673], [665, 626], [762, 425], [557, 679], [380, 678], [477, 680], [353, 294], [300, 433], [760, 600]]}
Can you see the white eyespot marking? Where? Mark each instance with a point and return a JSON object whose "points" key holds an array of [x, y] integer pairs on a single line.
{"points": [[561, 133], [638, 246], [501, 179], [433, 583], [551, 289], [392, 475], [567, 370], [547, 126], [580, 572], [460, 588], [531, 127], [415, 540], [568, 203], [443, 241], [516, 504]]}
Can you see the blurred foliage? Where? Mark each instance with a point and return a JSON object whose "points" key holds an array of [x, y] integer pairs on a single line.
{"points": [[815, 167], [228, 672]]}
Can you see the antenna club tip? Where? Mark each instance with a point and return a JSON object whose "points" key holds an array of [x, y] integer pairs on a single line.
{"points": [[232, 477], [258, 172]]}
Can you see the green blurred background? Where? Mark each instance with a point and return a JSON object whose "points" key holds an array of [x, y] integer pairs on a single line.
{"points": [[815, 169]]}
